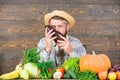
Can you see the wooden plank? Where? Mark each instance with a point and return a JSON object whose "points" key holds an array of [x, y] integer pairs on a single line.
{"points": [[82, 28], [11, 59], [91, 43], [92, 40], [17, 44], [95, 12], [26, 2], [101, 43], [95, 28], [103, 48], [80, 12], [22, 24], [6, 69], [101, 2]]}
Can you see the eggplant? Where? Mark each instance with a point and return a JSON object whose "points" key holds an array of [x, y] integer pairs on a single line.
{"points": [[57, 34]]}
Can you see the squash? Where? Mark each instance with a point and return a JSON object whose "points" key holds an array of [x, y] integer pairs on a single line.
{"points": [[95, 63]]}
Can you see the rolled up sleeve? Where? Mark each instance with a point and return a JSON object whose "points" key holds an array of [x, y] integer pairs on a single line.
{"points": [[78, 48], [40, 47]]}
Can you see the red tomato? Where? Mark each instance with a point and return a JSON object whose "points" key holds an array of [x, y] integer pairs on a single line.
{"points": [[62, 70]]}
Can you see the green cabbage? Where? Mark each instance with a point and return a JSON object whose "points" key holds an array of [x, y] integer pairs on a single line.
{"points": [[33, 70], [24, 74]]}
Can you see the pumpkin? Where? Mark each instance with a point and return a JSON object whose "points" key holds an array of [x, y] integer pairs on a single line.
{"points": [[95, 63]]}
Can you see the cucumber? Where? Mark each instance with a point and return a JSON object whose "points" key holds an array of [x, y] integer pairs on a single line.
{"points": [[67, 75], [72, 73]]}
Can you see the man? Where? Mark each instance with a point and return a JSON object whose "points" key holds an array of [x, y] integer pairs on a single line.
{"points": [[59, 51]]}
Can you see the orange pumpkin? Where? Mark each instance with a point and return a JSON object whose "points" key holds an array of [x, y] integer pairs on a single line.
{"points": [[95, 63]]}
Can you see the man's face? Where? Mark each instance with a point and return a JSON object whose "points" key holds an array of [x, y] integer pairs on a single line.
{"points": [[59, 26]]}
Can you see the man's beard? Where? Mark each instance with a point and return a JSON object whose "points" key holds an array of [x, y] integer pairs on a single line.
{"points": [[64, 35]]}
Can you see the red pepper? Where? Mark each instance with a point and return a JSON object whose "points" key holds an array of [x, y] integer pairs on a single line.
{"points": [[50, 70]]}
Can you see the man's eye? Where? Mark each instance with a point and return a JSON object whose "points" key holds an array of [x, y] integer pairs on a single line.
{"points": [[60, 26]]}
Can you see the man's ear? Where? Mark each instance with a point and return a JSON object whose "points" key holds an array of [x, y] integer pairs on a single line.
{"points": [[68, 27]]}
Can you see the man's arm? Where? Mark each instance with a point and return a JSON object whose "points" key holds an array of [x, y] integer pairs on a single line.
{"points": [[41, 47], [78, 48]]}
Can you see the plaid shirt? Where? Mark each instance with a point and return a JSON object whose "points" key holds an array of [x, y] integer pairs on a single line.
{"points": [[58, 56]]}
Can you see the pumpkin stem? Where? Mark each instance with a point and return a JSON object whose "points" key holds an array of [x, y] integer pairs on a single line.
{"points": [[93, 52]]}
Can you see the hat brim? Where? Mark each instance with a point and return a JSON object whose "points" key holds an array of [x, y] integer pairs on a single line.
{"points": [[62, 14]]}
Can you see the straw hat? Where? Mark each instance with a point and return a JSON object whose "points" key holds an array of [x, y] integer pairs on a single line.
{"points": [[62, 14]]}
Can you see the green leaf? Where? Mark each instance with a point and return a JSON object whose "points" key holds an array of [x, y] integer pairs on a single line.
{"points": [[31, 55]]}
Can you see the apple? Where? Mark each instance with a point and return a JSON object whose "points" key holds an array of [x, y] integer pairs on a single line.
{"points": [[102, 75], [112, 76]]}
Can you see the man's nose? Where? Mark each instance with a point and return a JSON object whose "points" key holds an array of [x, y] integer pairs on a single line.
{"points": [[56, 28]]}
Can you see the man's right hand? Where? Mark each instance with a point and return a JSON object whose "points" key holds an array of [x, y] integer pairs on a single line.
{"points": [[49, 38]]}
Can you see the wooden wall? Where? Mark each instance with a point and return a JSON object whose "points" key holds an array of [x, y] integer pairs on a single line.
{"points": [[21, 26]]}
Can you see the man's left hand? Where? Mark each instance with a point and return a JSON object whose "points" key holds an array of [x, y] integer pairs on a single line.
{"points": [[65, 44]]}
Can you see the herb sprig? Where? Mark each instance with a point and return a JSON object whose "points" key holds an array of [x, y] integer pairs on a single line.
{"points": [[31, 55]]}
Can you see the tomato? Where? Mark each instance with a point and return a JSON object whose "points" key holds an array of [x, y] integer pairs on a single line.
{"points": [[112, 76], [62, 70], [102, 75]]}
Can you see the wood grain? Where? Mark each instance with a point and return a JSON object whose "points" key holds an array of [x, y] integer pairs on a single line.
{"points": [[23, 2], [80, 12], [22, 26]]}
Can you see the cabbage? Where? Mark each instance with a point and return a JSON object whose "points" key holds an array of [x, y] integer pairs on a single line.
{"points": [[33, 70], [24, 74]]}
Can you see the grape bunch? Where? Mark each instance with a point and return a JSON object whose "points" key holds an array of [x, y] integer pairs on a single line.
{"points": [[115, 68]]}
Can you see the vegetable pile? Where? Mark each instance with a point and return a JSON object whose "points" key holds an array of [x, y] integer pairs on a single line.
{"points": [[72, 63], [87, 75], [31, 55], [34, 67], [46, 69], [82, 68]]}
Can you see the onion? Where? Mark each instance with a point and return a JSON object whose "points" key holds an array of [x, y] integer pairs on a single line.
{"points": [[57, 75]]}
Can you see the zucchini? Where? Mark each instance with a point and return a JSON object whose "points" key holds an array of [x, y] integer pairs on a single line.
{"points": [[72, 74], [67, 75]]}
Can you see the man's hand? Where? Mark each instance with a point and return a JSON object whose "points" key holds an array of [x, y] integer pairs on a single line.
{"points": [[65, 44], [49, 37]]}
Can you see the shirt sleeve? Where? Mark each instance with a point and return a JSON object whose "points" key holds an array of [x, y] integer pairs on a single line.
{"points": [[78, 48], [44, 56]]}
